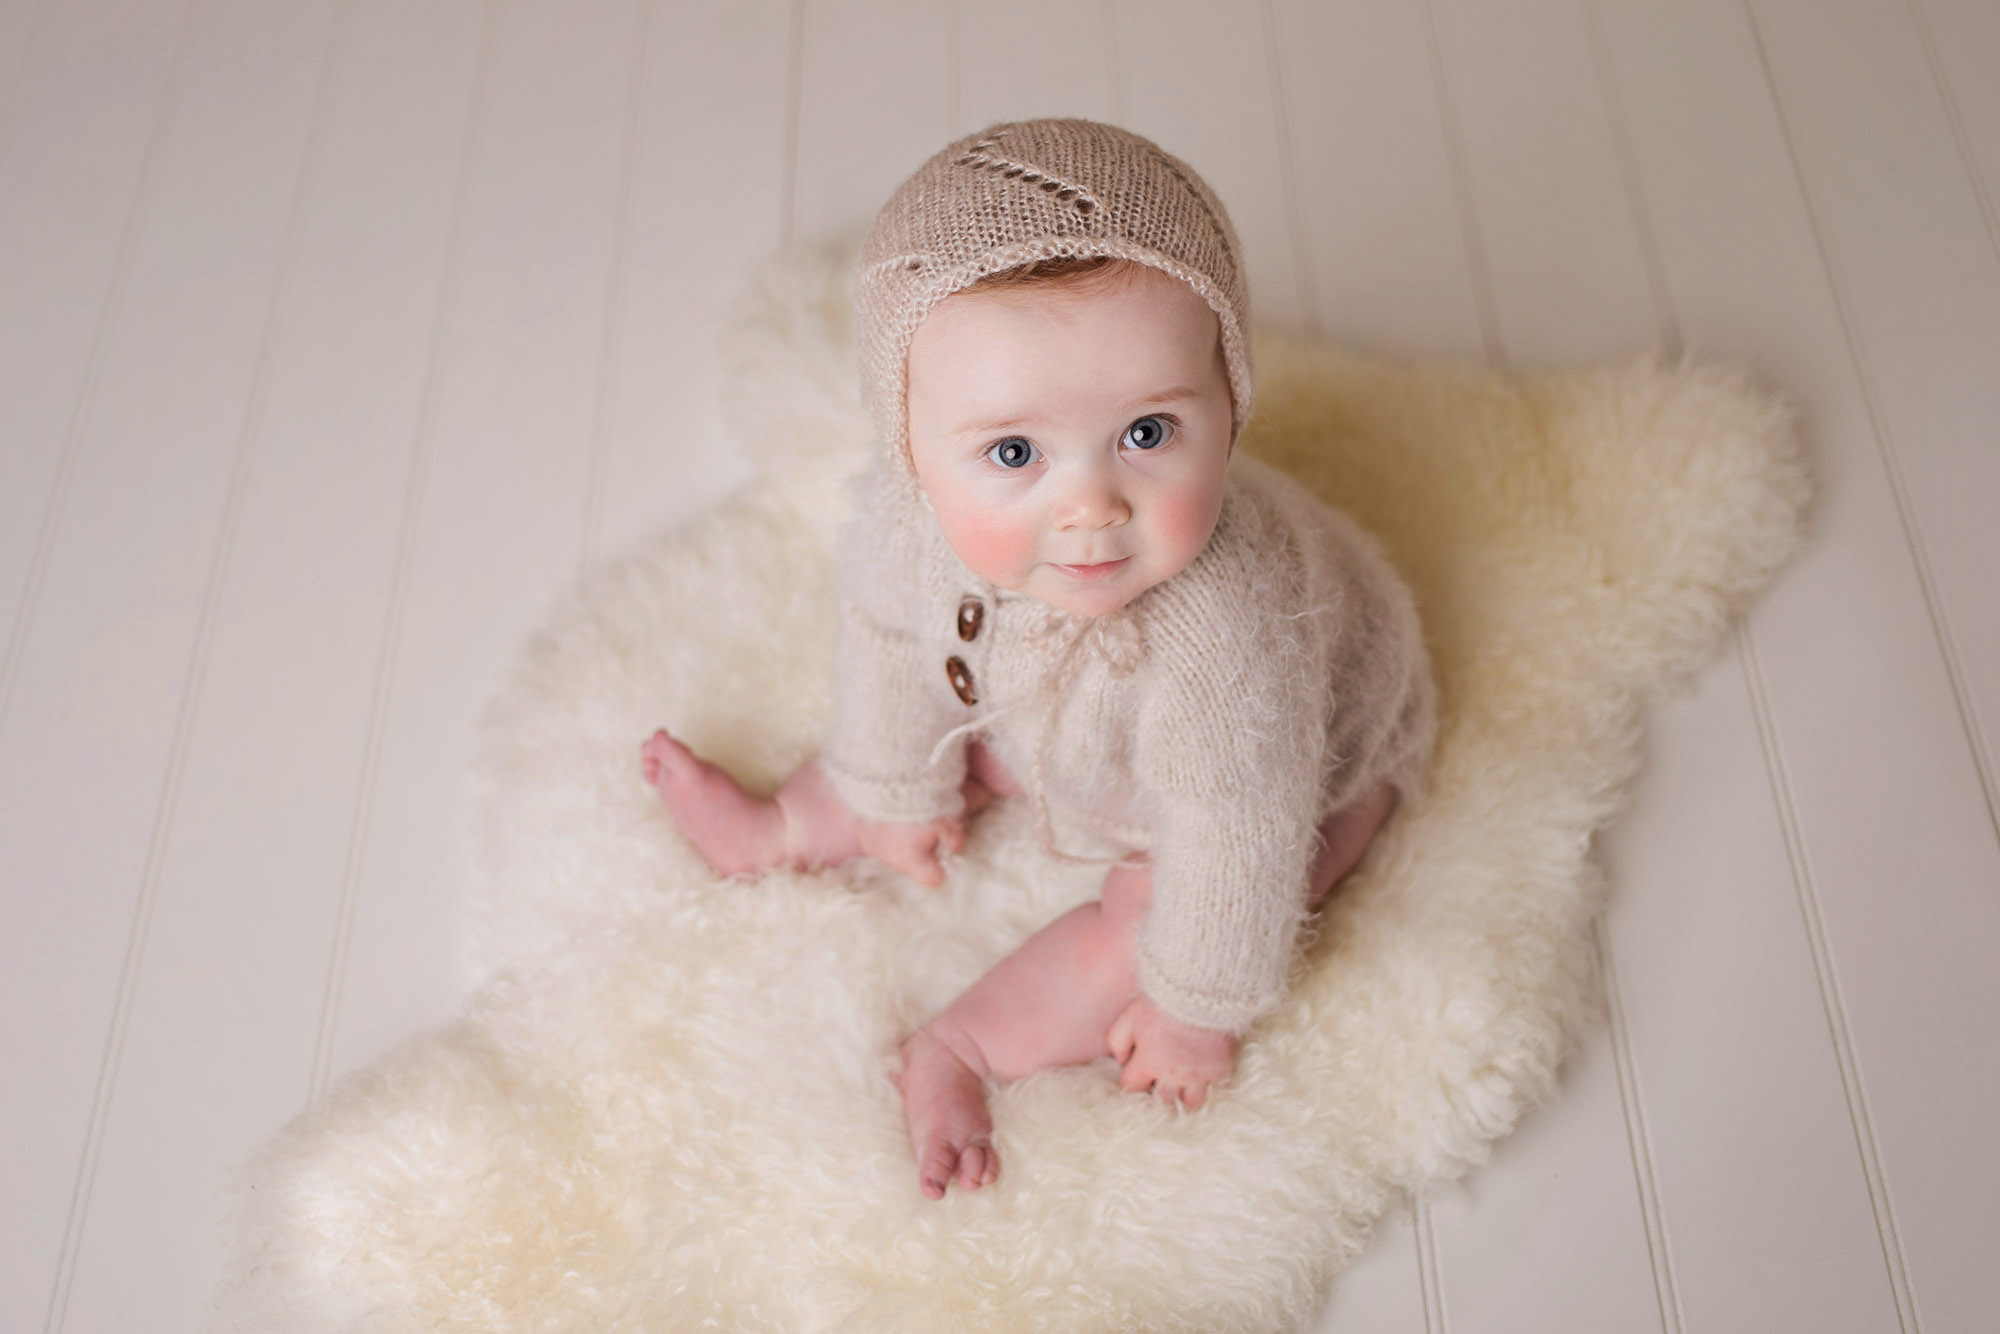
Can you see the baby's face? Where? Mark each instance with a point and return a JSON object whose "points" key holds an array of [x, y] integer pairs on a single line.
{"points": [[1072, 442]]}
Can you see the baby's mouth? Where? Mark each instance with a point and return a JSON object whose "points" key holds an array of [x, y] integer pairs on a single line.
{"points": [[1102, 570]]}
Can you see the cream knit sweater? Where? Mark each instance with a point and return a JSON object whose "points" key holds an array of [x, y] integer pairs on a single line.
{"points": [[1212, 722]]}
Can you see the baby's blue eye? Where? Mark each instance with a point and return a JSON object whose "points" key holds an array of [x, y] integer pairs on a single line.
{"points": [[1013, 452], [1148, 433]]}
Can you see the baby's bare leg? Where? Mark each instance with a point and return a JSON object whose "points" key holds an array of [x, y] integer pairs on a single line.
{"points": [[1052, 1001], [1048, 1003], [1344, 836], [805, 824]]}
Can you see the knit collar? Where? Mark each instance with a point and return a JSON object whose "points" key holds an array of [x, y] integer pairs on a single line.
{"points": [[1116, 638]]}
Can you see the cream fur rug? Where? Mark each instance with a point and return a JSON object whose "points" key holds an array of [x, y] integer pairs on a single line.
{"points": [[666, 1106]]}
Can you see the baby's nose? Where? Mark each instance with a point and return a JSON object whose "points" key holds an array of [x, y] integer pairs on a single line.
{"points": [[1090, 503]]}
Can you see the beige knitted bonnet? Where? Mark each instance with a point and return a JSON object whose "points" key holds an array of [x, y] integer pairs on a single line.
{"points": [[1037, 189]]}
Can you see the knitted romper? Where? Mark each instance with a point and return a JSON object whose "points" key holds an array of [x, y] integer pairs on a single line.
{"points": [[1212, 722]]}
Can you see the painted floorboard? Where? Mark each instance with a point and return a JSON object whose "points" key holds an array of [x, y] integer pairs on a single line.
{"points": [[82, 128], [703, 207], [1382, 228], [96, 737], [251, 880], [494, 520], [1919, 272], [1868, 809], [874, 102]]}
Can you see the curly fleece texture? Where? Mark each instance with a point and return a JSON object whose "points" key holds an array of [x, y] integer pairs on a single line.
{"points": [[667, 1106]]}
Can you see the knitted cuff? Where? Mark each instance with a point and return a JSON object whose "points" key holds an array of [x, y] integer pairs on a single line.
{"points": [[896, 801], [1231, 1014]]}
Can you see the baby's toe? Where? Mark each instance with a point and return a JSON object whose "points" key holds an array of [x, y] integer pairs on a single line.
{"points": [[940, 1163], [977, 1166], [655, 754]]}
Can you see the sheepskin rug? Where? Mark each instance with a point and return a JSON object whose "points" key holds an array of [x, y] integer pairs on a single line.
{"points": [[668, 1104]]}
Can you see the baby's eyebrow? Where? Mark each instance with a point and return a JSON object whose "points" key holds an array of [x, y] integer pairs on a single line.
{"points": [[985, 428], [1177, 394]]}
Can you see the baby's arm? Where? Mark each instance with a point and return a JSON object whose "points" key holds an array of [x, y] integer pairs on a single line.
{"points": [[1178, 1060], [889, 708], [1230, 763]]}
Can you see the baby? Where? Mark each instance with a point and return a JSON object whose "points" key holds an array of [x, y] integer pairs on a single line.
{"points": [[1061, 583]]}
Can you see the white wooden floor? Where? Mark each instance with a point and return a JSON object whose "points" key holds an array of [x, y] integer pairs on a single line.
{"points": [[336, 334]]}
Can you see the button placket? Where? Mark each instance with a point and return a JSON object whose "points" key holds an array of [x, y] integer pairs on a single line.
{"points": [[971, 615]]}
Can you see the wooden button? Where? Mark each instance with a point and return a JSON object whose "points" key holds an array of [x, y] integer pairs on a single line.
{"points": [[970, 613], [961, 680]]}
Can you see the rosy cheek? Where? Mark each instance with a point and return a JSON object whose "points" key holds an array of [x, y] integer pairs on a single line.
{"points": [[996, 551], [1186, 517], [992, 546]]}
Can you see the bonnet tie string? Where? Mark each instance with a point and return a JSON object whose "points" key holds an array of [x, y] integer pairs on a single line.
{"points": [[937, 751]]}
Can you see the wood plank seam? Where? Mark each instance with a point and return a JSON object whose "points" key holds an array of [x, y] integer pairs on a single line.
{"points": [[611, 336], [100, 1097], [1825, 970], [86, 394], [409, 521], [1956, 116], [1628, 170], [954, 72], [788, 176], [1114, 66], [186, 716], [1461, 188], [1288, 170], [1645, 1171], [1430, 1284], [1886, 449], [29, 48], [1631, 1093]]}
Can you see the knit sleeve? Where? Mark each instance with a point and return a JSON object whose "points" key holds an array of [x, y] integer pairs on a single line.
{"points": [[1229, 751], [889, 712]]}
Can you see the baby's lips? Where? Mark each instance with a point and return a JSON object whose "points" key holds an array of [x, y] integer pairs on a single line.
{"points": [[1102, 569]]}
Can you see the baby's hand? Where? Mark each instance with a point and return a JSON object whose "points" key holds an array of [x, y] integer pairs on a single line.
{"points": [[917, 850], [1177, 1061]]}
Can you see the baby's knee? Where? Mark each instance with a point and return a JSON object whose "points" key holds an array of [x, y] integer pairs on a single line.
{"points": [[1344, 836], [1128, 890], [984, 768]]}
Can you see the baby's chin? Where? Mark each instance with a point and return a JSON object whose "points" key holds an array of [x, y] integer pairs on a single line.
{"points": [[1080, 598]]}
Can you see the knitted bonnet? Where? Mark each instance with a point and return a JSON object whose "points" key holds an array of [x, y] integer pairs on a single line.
{"points": [[1028, 190]]}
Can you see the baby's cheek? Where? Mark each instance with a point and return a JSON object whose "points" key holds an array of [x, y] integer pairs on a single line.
{"points": [[1185, 518], [993, 548]]}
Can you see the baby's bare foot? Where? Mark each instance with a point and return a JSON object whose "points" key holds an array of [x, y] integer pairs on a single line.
{"points": [[733, 830], [944, 1100]]}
